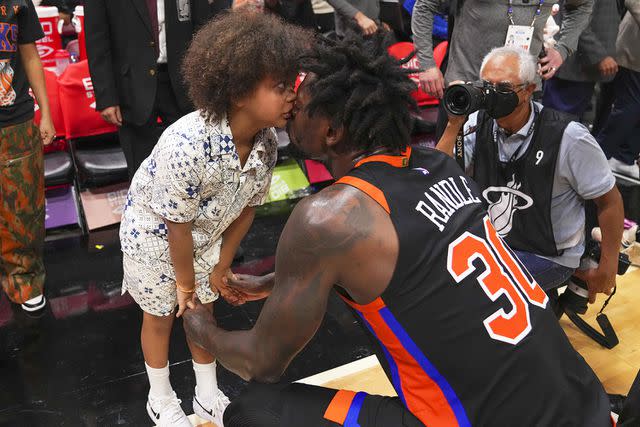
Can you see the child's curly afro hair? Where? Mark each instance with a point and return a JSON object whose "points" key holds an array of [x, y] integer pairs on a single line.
{"points": [[234, 52]]}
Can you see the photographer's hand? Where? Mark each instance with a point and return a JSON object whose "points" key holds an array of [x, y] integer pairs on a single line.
{"points": [[599, 280]]}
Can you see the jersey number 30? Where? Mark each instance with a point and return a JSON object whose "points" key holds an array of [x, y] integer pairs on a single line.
{"points": [[502, 276]]}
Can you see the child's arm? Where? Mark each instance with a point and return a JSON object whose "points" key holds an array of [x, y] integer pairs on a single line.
{"points": [[35, 74], [231, 239], [181, 250]]}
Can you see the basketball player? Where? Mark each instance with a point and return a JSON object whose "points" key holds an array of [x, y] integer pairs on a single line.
{"points": [[464, 333]]}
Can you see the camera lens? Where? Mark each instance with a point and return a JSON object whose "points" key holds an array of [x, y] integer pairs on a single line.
{"points": [[463, 99]]}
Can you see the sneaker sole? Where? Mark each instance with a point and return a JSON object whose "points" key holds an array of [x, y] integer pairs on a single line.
{"points": [[32, 308], [202, 413]]}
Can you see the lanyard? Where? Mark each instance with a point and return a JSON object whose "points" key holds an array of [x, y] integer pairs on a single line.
{"points": [[538, 11], [529, 133]]}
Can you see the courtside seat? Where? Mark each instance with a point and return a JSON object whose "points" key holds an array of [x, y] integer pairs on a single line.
{"points": [[58, 168], [99, 161]]}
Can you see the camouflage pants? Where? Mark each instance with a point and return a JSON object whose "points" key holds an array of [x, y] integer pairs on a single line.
{"points": [[21, 212]]}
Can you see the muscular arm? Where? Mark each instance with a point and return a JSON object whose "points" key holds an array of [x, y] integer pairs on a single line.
{"points": [[311, 253]]}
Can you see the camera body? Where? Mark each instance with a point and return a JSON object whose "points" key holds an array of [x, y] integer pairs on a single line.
{"points": [[576, 297], [465, 98]]}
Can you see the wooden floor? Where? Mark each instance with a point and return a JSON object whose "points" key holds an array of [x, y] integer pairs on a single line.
{"points": [[616, 368]]}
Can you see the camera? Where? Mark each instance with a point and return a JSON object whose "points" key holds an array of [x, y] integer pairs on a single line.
{"points": [[576, 297], [466, 98]]}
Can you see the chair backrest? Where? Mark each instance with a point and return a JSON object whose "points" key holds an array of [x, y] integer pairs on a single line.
{"points": [[78, 102], [404, 49], [51, 81]]}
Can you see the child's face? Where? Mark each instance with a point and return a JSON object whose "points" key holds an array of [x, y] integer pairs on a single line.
{"points": [[271, 103]]}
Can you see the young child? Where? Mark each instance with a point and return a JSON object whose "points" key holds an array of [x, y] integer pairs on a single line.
{"points": [[21, 156], [192, 200]]}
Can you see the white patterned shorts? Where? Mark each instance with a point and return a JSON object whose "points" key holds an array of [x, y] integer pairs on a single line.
{"points": [[154, 289]]}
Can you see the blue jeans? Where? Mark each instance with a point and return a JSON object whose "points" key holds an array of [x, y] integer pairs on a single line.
{"points": [[548, 274]]}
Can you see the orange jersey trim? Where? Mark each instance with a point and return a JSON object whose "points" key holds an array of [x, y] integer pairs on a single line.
{"points": [[339, 407], [369, 189], [401, 161]]}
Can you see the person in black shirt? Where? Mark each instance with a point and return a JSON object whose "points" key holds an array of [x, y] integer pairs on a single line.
{"points": [[21, 156]]}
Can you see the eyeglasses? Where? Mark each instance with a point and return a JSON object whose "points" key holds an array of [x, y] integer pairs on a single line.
{"points": [[505, 87]]}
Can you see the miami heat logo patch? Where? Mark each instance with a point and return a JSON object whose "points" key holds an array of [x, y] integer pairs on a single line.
{"points": [[504, 202], [7, 94]]}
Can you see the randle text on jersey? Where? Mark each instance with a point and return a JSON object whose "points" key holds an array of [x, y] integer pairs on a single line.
{"points": [[444, 198]]}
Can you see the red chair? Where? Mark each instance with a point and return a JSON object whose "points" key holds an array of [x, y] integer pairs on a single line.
{"points": [[404, 49], [97, 155]]}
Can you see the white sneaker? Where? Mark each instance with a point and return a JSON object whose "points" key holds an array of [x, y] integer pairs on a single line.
{"points": [[632, 171], [167, 412], [211, 410]]}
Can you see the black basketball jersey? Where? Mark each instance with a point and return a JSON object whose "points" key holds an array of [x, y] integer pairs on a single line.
{"points": [[464, 332]]}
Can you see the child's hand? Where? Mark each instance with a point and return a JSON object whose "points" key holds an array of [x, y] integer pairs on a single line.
{"points": [[185, 300], [219, 285]]}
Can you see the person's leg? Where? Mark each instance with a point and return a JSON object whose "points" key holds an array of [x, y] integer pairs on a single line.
{"points": [[155, 335], [22, 214], [567, 96], [624, 117], [604, 101], [547, 274], [294, 405], [137, 142]]}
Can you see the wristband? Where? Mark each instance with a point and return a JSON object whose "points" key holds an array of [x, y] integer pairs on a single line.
{"points": [[186, 291]]}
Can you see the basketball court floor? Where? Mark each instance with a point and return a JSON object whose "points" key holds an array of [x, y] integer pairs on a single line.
{"points": [[80, 364]]}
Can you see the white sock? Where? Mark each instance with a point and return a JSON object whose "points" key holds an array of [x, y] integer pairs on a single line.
{"points": [[159, 382], [206, 380]]}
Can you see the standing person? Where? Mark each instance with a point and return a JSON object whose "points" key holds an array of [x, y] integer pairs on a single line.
{"points": [[571, 89], [21, 157], [619, 136], [193, 199], [359, 15], [462, 331], [135, 49]]}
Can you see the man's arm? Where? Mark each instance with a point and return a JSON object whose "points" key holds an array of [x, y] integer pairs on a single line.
{"points": [[99, 54], [611, 221], [431, 78], [633, 6], [311, 252], [576, 18]]}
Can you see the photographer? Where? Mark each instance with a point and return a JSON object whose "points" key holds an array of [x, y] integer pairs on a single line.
{"points": [[536, 168]]}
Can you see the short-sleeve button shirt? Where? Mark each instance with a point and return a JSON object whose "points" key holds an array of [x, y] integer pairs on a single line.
{"points": [[194, 174]]}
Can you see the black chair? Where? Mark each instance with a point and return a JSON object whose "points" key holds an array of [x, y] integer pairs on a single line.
{"points": [[99, 161], [58, 168]]}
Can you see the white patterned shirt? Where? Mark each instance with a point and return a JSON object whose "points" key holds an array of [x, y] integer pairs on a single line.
{"points": [[194, 174]]}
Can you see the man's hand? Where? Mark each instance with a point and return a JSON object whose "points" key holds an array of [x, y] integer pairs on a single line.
{"points": [[217, 283], [367, 25], [599, 280], [47, 130], [608, 67], [432, 82], [250, 288], [112, 115], [550, 64], [197, 321]]}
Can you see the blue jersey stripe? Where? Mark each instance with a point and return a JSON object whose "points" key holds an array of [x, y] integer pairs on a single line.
{"points": [[354, 410], [429, 369]]}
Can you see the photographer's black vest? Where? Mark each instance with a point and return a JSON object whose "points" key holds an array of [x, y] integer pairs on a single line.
{"points": [[518, 193]]}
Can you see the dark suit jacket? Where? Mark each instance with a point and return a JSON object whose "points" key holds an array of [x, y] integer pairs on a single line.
{"points": [[123, 57]]}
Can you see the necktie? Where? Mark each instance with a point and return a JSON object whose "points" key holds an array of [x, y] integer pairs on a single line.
{"points": [[152, 5]]}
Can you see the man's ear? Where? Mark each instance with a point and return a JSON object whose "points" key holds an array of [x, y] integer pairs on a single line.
{"points": [[531, 88], [334, 136]]}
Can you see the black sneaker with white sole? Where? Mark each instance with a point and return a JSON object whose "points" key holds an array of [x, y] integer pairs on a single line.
{"points": [[34, 304]]}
